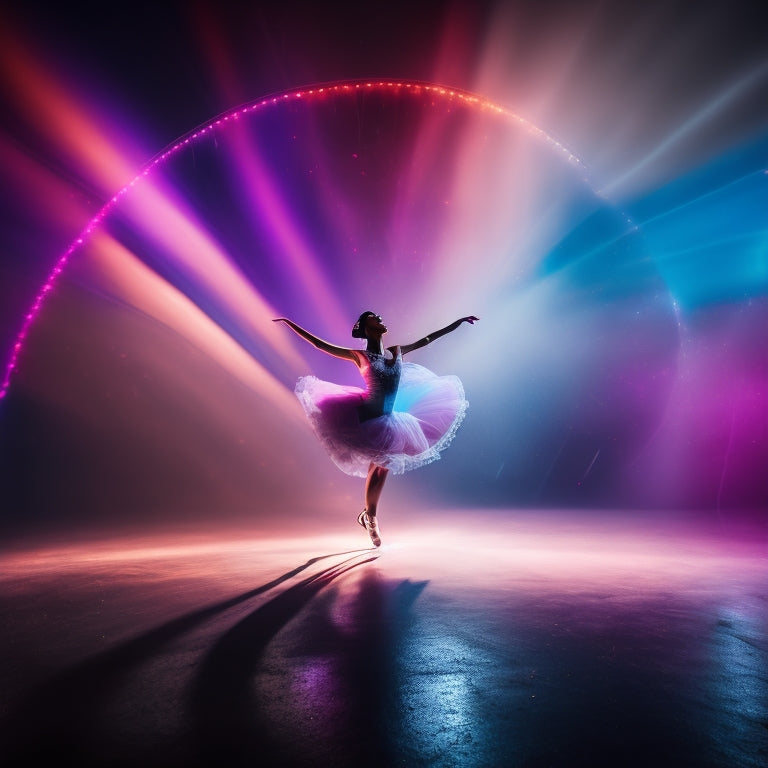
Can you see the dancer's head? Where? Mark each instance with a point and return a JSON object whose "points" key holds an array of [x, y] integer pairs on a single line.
{"points": [[360, 328]]}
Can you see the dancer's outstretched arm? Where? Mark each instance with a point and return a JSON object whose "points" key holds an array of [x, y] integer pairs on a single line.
{"points": [[405, 348], [323, 346]]}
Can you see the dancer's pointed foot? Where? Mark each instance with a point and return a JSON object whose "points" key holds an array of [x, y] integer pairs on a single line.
{"points": [[369, 523]]}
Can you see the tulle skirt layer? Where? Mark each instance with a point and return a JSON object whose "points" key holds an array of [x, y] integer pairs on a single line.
{"points": [[427, 412]]}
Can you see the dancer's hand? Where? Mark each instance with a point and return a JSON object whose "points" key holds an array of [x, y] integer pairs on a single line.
{"points": [[471, 319]]}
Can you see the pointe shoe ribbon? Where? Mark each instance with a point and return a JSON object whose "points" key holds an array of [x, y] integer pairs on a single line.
{"points": [[371, 525]]}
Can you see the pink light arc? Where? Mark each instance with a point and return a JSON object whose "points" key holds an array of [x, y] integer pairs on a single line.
{"points": [[316, 91]]}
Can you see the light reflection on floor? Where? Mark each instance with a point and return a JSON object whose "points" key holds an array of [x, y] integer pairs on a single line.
{"points": [[480, 639]]}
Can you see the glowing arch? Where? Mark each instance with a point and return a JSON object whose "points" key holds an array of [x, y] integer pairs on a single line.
{"points": [[221, 122]]}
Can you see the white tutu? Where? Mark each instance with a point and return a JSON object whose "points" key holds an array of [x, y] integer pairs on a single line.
{"points": [[426, 413]]}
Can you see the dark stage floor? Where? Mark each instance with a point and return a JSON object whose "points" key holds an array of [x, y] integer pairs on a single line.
{"points": [[507, 639]]}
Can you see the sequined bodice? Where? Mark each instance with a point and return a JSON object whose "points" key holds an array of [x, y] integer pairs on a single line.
{"points": [[382, 377]]}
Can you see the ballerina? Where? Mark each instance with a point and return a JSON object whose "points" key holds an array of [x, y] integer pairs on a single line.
{"points": [[402, 420]]}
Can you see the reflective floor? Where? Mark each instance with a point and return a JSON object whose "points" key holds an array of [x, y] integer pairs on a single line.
{"points": [[499, 639]]}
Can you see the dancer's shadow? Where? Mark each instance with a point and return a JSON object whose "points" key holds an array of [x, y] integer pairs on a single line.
{"points": [[60, 721], [226, 726], [235, 698]]}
